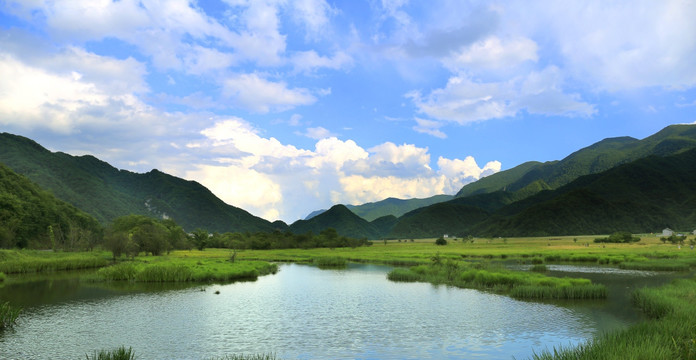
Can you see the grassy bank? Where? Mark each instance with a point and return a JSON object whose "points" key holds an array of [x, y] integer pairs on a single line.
{"points": [[670, 332], [31, 261], [517, 284], [176, 269]]}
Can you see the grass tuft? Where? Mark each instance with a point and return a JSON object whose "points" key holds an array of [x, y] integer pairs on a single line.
{"points": [[8, 315], [117, 354]]}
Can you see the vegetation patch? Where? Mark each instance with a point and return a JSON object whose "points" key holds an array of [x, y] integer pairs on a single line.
{"points": [[669, 334], [518, 284], [8, 315], [30, 261], [330, 262], [120, 353], [167, 269]]}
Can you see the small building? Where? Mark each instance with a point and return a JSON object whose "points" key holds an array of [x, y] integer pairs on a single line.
{"points": [[667, 232], [445, 236], [694, 232]]}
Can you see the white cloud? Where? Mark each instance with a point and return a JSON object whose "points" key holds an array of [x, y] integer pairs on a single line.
{"points": [[429, 127], [314, 15], [242, 187], [308, 61], [318, 133], [493, 53], [254, 93], [464, 100], [614, 47], [297, 181]]}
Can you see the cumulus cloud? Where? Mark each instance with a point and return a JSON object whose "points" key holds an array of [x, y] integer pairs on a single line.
{"points": [[254, 93], [318, 133], [465, 100], [429, 127], [290, 182], [615, 47]]}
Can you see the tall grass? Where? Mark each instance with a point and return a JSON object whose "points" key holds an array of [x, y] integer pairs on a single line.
{"points": [[16, 262], [518, 284], [117, 354], [330, 262], [669, 334], [8, 315], [185, 271]]}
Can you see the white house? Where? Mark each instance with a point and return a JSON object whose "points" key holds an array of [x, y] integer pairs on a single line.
{"points": [[667, 232], [694, 232]]}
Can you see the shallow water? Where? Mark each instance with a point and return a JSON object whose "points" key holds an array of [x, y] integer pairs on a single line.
{"points": [[300, 313]]}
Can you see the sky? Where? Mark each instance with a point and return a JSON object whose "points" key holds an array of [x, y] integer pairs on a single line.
{"points": [[284, 107]]}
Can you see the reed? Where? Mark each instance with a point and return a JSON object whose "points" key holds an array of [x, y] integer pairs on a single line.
{"points": [[539, 268], [8, 315], [591, 291], [518, 284], [669, 334], [18, 262], [330, 262], [120, 353], [404, 275], [179, 270]]}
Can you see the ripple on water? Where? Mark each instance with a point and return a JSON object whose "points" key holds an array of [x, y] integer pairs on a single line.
{"points": [[301, 313]]}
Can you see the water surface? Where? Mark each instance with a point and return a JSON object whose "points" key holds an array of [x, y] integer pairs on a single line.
{"points": [[300, 313]]}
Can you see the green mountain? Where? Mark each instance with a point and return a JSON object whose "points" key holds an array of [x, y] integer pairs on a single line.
{"points": [[450, 218], [385, 224], [593, 159], [389, 206], [535, 198], [393, 206], [34, 218], [340, 218], [646, 195], [105, 192]]}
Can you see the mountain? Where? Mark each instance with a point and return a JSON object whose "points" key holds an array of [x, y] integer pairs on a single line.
{"points": [[593, 159], [393, 206], [646, 195], [389, 206], [340, 218], [554, 198], [105, 192], [34, 218]]}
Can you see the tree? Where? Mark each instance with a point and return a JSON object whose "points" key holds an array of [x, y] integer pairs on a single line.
{"points": [[441, 241], [152, 238], [116, 242], [200, 239]]}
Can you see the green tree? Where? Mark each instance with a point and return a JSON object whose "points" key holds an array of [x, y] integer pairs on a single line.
{"points": [[200, 239]]}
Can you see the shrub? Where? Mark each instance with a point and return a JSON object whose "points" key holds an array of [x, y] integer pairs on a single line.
{"points": [[441, 241]]}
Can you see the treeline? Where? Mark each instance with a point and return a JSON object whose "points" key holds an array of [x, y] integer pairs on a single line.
{"points": [[134, 234], [328, 238]]}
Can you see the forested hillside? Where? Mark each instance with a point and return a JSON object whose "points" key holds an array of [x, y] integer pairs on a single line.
{"points": [[34, 218], [105, 192]]}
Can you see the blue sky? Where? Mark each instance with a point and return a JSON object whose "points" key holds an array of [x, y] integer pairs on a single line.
{"points": [[285, 107]]}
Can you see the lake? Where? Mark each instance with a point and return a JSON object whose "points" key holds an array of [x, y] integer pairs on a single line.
{"points": [[303, 312]]}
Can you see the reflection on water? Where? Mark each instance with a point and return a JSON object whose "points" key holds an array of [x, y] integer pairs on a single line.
{"points": [[300, 313]]}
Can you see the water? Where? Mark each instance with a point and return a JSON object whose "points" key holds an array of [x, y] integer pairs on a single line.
{"points": [[300, 313]]}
